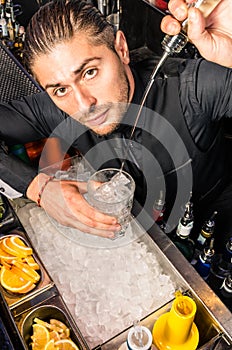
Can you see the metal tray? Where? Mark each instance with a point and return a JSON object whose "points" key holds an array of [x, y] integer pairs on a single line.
{"points": [[209, 334], [52, 308], [13, 299]]}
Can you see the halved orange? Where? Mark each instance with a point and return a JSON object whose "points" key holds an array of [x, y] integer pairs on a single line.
{"points": [[14, 283]]}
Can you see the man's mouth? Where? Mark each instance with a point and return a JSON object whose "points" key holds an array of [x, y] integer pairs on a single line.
{"points": [[98, 119]]}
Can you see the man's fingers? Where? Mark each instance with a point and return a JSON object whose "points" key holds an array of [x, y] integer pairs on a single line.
{"points": [[170, 26], [90, 213], [196, 25], [94, 231], [178, 8]]}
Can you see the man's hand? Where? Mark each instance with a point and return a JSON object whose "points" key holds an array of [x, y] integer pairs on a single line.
{"points": [[212, 35], [64, 201]]}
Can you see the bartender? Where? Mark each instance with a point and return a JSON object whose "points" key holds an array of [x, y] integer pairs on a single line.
{"points": [[178, 145]]}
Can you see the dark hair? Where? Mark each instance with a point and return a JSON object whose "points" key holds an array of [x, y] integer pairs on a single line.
{"points": [[60, 20]]}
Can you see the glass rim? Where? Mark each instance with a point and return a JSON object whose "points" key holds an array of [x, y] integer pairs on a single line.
{"points": [[132, 183]]}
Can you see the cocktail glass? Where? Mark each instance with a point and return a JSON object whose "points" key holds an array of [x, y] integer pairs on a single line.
{"points": [[111, 191]]}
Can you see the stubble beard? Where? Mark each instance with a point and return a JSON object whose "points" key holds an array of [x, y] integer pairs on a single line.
{"points": [[116, 110]]}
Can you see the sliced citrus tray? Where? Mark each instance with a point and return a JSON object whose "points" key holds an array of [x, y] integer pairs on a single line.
{"points": [[50, 327], [51, 335], [18, 267], [21, 272]]}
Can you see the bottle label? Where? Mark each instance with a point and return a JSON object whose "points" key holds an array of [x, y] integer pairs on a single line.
{"points": [[225, 287], [184, 231], [158, 215], [201, 239]]}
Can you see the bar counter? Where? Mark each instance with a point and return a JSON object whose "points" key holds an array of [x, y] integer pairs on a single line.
{"points": [[106, 285]]}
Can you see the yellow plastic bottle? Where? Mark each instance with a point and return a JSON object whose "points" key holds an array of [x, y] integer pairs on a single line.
{"points": [[175, 330]]}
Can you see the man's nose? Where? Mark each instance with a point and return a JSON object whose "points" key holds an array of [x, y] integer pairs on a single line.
{"points": [[84, 98]]}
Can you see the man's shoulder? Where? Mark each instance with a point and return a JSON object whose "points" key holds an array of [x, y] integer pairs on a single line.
{"points": [[144, 60]]}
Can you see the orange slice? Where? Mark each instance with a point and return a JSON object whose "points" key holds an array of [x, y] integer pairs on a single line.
{"points": [[40, 335], [54, 335], [61, 328], [14, 283], [42, 323], [6, 264], [4, 256], [50, 345], [65, 334], [15, 244], [21, 274], [58, 323], [31, 262], [35, 346], [7, 249], [26, 269], [66, 344]]}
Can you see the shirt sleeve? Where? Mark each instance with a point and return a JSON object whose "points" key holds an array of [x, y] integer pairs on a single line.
{"points": [[213, 90], [29, 119], [15, 175], [206, 99]]}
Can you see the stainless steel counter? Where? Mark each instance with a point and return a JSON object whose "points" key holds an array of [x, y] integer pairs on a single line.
{"points": [[154, 248]]}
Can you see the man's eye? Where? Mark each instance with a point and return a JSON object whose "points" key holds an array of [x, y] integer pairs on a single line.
{"points": [[60, 92], [90, 74]]}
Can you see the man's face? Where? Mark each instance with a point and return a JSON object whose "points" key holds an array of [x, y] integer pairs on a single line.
{"points": [[90, 83]]}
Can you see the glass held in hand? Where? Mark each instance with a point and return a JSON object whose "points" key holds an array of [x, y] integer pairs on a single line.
{"points": [[111, 191]]}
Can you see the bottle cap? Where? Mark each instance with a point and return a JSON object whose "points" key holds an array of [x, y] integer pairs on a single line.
{"points": [[139, 338]]}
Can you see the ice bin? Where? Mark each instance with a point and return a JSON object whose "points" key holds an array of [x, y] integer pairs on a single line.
{"points": [[213, 318]]}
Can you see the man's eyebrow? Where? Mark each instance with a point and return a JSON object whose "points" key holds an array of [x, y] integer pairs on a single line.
{"points": [[77, 71]]}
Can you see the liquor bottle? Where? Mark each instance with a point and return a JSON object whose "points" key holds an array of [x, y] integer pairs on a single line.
{"points": [[139, 337], [162, 4], [221, 267], [182, 238], [158, 211], [226, 291], [19, 41], [19, 150], [4, 29], [206, 233], [203, 264]]}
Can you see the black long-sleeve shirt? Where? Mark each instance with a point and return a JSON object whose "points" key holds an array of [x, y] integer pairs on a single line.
{"points": [[193, 99]]}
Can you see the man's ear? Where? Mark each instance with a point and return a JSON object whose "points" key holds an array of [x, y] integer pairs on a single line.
{"points": [[121, 47]]}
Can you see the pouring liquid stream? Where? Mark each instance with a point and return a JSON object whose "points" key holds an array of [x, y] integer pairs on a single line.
{"points": [[143, 100], [171, 45]]}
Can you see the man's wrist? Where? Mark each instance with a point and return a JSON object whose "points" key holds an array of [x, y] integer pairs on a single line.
{"points": [[34, 189]]}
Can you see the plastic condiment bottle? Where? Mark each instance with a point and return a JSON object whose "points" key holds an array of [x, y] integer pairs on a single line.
{"points": [[138, 338], [175, 330]]}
